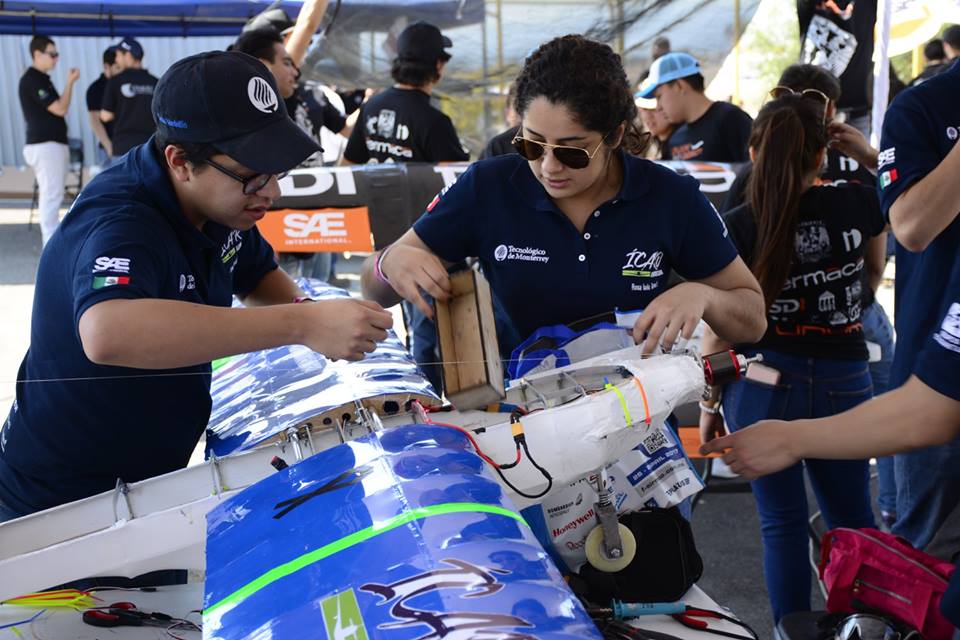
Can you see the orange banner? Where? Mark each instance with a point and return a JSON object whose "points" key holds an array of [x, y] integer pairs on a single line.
{"points": [[313, 230]]}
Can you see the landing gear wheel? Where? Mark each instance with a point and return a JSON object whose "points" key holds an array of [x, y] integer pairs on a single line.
{"points": [[597, 554]]}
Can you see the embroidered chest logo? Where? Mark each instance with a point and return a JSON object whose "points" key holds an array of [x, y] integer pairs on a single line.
{"points": [[640, 264], [506, 252], [230, 248], [187, 282]]}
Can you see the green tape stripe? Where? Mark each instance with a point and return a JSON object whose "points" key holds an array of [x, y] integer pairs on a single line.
{"points": [[623, 403], [363, 535]]}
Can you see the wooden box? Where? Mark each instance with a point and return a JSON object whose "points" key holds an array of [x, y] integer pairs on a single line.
{"points": [[469, 354]]}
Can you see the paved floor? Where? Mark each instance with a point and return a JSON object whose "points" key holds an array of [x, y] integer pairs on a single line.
{"points": [[725, 525]]}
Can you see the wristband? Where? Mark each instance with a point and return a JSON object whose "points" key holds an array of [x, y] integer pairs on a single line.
{"points": [[377, 271], [300, 299], [708, 409]]}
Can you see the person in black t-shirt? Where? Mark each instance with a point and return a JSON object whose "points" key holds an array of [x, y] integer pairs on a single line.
{"points": [[400, 124], [838, 36], [502, 143], [936, 57], [95, 91], [806, 244], [46, 151], [706, 130], [127, 99]]}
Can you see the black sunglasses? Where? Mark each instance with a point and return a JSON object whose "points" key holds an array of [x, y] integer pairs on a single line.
{"points": [[52, 54], [573, 157], [251, 184]]}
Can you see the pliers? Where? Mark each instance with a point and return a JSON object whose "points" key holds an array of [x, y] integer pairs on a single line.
{"points": [[689, 619], [125, 614]]}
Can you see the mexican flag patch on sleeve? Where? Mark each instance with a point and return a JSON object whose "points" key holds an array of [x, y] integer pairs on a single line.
{"points": [[99, 282]]}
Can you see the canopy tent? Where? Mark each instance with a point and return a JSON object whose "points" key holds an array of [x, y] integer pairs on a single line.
{"points": [[113, 18]]}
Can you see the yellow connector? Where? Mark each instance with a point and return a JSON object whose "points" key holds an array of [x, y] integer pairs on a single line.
{"points": [[517, 429]]}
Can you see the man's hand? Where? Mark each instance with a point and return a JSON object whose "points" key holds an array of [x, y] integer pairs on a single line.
{"points": [[344, 329], [671, 315], [758, 450], [851, 142], [410, 269], [73, 75]]}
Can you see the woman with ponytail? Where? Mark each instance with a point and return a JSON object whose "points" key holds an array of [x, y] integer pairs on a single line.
{"points": [[574, 224], [806, 245]]}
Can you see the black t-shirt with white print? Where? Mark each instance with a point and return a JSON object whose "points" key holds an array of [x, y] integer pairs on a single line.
{"points": [[719, 135], [37, 93], [312, 112], [838, 36], [400, 125], [128, 96], [817, 314]]}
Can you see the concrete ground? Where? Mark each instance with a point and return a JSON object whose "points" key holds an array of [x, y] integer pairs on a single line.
{"points": [[726, 526]]}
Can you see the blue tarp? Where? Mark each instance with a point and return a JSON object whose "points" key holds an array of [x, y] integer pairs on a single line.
{"points": [[113, 18]]}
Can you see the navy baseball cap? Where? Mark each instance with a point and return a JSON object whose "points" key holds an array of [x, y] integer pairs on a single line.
{"points": [[230, 100], [130, 45], [423, 42], [668, 68]]}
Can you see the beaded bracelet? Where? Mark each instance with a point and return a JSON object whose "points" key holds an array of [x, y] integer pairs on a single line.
{"points": [[708, 409]]}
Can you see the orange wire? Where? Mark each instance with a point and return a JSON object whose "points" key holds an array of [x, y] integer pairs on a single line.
{"points": [[643, 394]]}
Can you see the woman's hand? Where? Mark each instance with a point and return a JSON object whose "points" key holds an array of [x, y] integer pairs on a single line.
{"points": [[761, 449], [851, 142], [672, 315], [410, 269], [711, 426]]}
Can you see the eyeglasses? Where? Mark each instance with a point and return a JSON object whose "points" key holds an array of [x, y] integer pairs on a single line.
{"points": [[814, 94], [573, 157], [53, 54], [251, 184]]}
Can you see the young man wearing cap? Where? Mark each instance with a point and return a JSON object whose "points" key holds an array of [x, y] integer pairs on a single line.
{"points": [[46, 151], [126, 99], [706, 130], [95, 91], [133, 302], [400, 124]]}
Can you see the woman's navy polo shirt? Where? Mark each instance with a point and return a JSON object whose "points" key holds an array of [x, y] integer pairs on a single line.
{"points": [[919, 130], [544, 271], [76, 426]]}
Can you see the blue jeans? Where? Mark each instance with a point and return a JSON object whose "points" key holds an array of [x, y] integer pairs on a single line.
{"points": [[877, 329], [808, 388], [928, 489]]}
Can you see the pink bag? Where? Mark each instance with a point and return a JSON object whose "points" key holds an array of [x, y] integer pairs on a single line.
{"points": [[868, 569]]}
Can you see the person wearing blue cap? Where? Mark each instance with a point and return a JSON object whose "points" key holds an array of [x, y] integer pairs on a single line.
{"points": [[126, 99], [134, 295], [706, 129]]}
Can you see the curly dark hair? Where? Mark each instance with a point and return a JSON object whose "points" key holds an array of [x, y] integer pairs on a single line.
{"points": [[588, 78]]}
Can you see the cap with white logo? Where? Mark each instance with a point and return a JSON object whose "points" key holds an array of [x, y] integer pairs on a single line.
{"points": [[230, 100]]}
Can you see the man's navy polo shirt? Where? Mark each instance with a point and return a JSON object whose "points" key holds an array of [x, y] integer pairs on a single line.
{"points": [[544, 271], [919, 130], [76, 426]]}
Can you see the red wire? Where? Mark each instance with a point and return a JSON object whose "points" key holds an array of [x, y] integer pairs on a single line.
{"points": [[469, 437]]}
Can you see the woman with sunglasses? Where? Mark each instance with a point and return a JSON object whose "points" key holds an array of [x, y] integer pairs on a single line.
{"points": [[806, 245], [573, 225]]}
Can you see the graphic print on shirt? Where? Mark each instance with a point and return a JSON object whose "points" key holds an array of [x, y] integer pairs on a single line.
{"points": [[109, 271], [948, 336], [829, 46], [812, 242]]}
